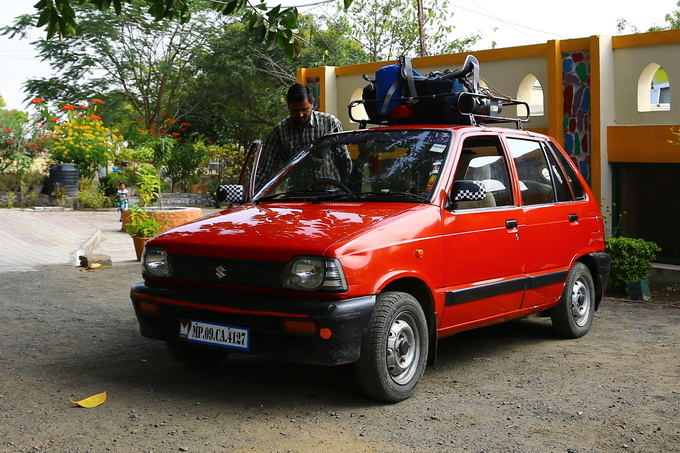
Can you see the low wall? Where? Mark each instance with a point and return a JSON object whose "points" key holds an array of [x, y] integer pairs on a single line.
{"points": [[173, 217]]}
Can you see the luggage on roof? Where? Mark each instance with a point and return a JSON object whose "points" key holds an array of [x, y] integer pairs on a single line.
{"points": [[400, 95]]}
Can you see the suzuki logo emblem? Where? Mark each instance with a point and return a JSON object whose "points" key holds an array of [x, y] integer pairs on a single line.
{"points": [[220, 271]]}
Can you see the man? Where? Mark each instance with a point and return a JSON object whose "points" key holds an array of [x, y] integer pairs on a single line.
{"points": [[302, 127]]}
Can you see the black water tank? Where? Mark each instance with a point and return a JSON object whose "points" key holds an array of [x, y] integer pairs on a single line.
{"points": [[65, 175]]}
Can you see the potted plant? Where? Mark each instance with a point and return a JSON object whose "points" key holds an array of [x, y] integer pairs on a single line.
{"points": [[631, 260], [142, 226]]}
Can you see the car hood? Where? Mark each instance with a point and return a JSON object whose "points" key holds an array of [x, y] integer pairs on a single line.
{"points": [[275, 231]]}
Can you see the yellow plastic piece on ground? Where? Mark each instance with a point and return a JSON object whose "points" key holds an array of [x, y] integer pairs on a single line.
{"points": [[92, 401]]}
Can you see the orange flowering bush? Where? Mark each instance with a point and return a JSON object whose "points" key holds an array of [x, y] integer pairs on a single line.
{"points": [[19, 137], [82, 139]]}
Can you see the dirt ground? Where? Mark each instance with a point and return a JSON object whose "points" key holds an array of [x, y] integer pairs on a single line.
{"points": [[69, 333]]}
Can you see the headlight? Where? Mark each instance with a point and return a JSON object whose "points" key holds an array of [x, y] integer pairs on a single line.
{"points": [[312, 273], [155, 262]]}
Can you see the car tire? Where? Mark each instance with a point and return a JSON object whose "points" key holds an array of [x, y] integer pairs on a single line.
{"points": [[573, 315], [394, 348], [190, 354]]}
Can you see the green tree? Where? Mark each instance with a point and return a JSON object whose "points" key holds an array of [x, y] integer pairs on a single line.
{"points": [[388, 28], [273, 26], [672, 18], [239, 86], [129, 53]]}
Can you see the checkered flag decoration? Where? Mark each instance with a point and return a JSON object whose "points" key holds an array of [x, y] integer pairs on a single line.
{"points": [[230, 192], [466, 190]]}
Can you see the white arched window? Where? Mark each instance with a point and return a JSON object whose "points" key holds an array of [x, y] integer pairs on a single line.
{"points": [[654, 89], [358, 112], [531, 92]]}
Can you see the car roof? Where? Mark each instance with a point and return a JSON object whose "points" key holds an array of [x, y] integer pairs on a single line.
{"points": [[462, 128]]}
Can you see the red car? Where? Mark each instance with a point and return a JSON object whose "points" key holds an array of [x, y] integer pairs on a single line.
{"points": [[372, 245]]}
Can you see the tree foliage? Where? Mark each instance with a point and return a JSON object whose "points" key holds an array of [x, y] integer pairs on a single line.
{"points": [[128, 53], [274, 26], [672, 18], [239, 86], [388, 28]]}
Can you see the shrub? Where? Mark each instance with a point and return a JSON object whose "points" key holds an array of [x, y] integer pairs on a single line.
{"points": [[142, 224], [149, 185], [631, 260], [10, 199], [91, 199]]}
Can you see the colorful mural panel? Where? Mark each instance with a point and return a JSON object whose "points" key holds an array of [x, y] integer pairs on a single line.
{"points": [[576, 86]]}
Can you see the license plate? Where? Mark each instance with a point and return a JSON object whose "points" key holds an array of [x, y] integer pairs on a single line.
{"points": [[215, 334]]}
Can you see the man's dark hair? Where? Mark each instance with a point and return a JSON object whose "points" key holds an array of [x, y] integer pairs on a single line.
{"points": [[298, 93]]}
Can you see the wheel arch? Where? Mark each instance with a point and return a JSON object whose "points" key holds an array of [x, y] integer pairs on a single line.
{"points": [[592, 262], [419, 289]]}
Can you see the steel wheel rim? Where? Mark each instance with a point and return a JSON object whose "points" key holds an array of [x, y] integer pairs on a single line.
{"points": [[580, 302], [403, 348]]}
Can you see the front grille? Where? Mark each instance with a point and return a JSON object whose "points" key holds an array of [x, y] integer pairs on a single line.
{"points": [[259, 274]]}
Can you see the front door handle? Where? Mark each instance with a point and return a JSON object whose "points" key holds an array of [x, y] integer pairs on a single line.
{"points": [[510, 224]]}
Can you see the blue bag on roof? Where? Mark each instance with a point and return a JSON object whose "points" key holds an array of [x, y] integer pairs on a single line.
{"points": [[398, 93], [384, 92]]}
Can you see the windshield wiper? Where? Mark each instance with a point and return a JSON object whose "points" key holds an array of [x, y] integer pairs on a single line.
{"points": [[308, 193], [380, 193]]}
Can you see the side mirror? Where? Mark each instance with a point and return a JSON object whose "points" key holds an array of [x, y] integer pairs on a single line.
{"points": [[466, 190], [232, 193]]}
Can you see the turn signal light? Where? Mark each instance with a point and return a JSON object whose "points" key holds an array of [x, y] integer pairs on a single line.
{"points": [[150, 308], [299, 326]]}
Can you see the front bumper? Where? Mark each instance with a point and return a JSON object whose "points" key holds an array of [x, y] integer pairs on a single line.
{"points": [[159, 310]]}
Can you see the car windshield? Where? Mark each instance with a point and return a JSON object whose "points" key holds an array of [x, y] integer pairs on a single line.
{"points": [[370, 165]]}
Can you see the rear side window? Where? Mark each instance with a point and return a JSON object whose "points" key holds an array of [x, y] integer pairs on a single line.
{"points": [[533, 169], [574, 182], [559, 180]]}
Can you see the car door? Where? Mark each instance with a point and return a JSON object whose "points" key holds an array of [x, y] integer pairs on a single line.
{"points": [[552, 234], [484, 269]]}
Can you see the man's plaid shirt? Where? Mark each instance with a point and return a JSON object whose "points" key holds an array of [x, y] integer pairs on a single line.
{"points": [[286, 140]]}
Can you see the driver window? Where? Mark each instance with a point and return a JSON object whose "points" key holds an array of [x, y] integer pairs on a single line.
{"points": [[482, 160]]}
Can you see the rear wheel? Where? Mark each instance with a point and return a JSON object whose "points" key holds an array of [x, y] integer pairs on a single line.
{"points": [[573, 314], [190, 354], [394, 349]]}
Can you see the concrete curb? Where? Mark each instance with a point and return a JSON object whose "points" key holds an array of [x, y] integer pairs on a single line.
{"points": [[87, 246]]}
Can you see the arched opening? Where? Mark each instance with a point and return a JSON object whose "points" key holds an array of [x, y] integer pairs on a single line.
{"points": [[654, 89], [531, 92], [358, 112]]}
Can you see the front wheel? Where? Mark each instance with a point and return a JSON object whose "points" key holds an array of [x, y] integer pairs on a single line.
{"points": [[573, 315], [394, 348]]}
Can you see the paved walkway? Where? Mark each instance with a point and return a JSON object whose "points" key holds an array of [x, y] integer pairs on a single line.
{"points": [[31, 238]]}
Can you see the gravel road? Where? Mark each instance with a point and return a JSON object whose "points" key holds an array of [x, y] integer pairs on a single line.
{"points": [[71, 333]]}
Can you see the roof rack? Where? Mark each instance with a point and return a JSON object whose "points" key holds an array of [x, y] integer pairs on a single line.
{"points": [[466, 109]]}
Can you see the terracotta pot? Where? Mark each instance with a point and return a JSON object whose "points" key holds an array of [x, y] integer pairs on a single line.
{"points": [[139, 243], [193, 188]]}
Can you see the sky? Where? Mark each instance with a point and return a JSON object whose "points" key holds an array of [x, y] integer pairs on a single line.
{"points": [[507, 23]]}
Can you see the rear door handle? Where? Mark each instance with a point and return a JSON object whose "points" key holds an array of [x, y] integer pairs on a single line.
{"points": [[573, 217]]}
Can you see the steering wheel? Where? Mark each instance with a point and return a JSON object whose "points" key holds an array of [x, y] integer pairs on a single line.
{"points": [[330, 182]]}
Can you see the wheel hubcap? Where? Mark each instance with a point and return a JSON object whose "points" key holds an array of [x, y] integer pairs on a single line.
{"points": [[403, 350], [580, 303]]}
